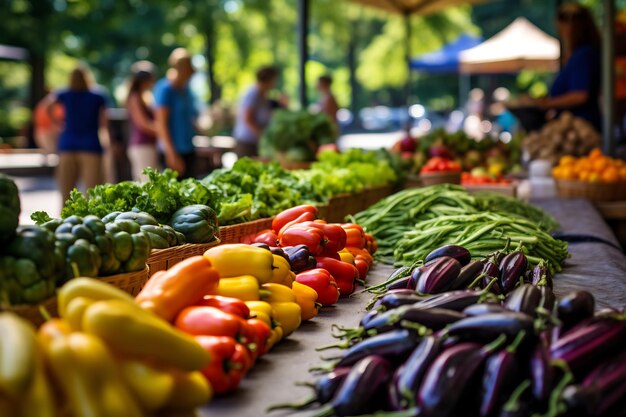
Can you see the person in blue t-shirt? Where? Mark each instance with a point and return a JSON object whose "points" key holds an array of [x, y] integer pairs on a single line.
{"points": [[80, 149], [577, 86], [176, 114]]}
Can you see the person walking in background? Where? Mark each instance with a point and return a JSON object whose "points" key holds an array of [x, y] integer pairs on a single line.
{"points": [[142, 150], [327, 103], [176, 114], [80, 143], [254, 112], [46, 132]]}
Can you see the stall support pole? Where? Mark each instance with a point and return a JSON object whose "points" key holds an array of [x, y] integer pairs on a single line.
{"points": [[608, 76], [407, 56], [303, 49]]}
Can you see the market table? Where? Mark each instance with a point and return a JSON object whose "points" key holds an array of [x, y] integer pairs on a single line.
{"points": [[595, 266]]}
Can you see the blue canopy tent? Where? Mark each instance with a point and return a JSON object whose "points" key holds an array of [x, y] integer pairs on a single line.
{"points": [[446, 59]]}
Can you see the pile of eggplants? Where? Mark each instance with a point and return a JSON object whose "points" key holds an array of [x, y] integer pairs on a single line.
{"points": [[470, 352]]}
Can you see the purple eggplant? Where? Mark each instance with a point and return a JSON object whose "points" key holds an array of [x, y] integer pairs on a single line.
{"points": [[407, 378], [393, 300], [524, 299], [512, 267], [415, 276], [299, 258], [482, 309], [540, 276], [493, 288], [432, 318], [439, 276], [402, 283], [451, 300], [589, 342], [574, 308], [367, 317], [541, 371], [448, 377], [468, 274], [459, 253], [489, 326], [324, 390], [547, 298], [361, 391], [491, 269], [394, 345]]}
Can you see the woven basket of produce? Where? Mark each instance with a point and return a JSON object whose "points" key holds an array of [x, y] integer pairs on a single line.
{"points": [[322, 211], [232, 233], [341, 205], [373, 195], [594, 191], [434, 178], [412, 181], [164, 259]]}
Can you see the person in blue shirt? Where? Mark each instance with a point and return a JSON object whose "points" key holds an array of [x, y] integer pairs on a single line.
{"points": [[80, 145], [577, 86], [176, 114]]}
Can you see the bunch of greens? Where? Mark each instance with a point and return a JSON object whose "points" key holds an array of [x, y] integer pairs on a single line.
{"points": [[160, 196]]}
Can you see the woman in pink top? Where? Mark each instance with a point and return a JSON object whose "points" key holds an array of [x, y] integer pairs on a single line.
{"points": [[142, 150]]}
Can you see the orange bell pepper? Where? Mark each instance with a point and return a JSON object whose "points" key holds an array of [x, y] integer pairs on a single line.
{"points": [[362, 253], [355, 235], [292, 216], [306, 297], [183, 285]]}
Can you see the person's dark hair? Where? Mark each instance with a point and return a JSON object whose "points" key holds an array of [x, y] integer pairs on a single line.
{"points": [[142, 71], [584, 30], [266, 74], [326, 79]]}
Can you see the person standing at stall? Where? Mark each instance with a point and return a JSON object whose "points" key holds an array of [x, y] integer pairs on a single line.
{"points": [[577, 85], [83, 133], [142, 150], [254, 112], [327, 102], [176, 114]]}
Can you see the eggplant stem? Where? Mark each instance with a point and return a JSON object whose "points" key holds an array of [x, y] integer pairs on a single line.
{"points": [[293, 406], [411, 412], [553, 404], [491, 283], [513, 401], [476, 281], [342, 345], [499, 341], [516, 342], [305, 384], [328, 412], [411, 325], [327, 367]]}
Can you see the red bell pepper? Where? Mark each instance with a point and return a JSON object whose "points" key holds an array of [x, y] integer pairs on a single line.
{"points": [[331, 254], [334, 234], [370, 244], [292, 216], [355, 236], [229, 362], [344, 273], [303, 235], [210, 321], [229, 305], [323, 283], [362, 266], [262, 333], [267, 236]]}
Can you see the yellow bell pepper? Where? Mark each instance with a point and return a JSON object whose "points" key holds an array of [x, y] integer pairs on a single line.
{"points": [[281, 274], [86, 374], [89, 288], [264, 311], [306, 297], [287, 314], [136, 332], [53, 329], [237, 259], [275, 337], [277, 293], [74, 312], [245, 287], [39, 401], [191, 390], [346, 257], [151, 386], [18, 353]]}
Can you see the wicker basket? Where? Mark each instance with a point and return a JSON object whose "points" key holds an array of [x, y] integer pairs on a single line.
{"points": [[131, 282], [322, 211], [509, 190], [434, 178], [163, 259], [412, 181], [373, 195], [232, 233], [341, 205], [594, 191]]}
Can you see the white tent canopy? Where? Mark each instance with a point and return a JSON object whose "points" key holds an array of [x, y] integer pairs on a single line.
{"points": [[521, 45]]}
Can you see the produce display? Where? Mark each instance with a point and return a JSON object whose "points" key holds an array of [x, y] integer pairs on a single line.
{"points": [[439, 164], [595, 167], [426, 349], [480, 176], [398, 222], [565, 135]]}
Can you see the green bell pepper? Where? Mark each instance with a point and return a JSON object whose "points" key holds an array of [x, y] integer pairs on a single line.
{"points": [[83, 259], [9, 208], [197, 222], [122, 245], [141, 252]]}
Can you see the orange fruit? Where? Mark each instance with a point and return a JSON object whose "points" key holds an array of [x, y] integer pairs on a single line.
{"points": [[610, 174], [596, 153], [599, 164], [622, 173], [593, 177], [583, 175], [567, 160]]}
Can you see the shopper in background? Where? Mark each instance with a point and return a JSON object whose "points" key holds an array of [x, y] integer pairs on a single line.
{"points": [[46, 132], [327, 102], [80, 143], [254, 112], [142, 150], [577, 86], [176, 113]]}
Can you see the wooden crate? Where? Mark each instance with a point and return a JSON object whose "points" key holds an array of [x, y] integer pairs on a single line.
{"points": [[232, 233], [163, 259]]}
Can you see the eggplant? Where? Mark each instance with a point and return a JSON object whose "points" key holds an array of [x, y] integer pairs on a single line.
{"points": [[361, 390], [540, 276], [432, 318], [324, 390], [394, 345], [493, 288], [512, 267], [547, 298], [448, 377], [589, 342], [491, 269], [482, 309], [489, 326], [261, 245], [524, 299], [367, 317], [451, 300], [415, 276], [393, 300], [299, 258], [502, 375], [468, 274], [574, 308], [462, 255], [439, 276], [402, 283], [407, 378], [541, 371]]}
